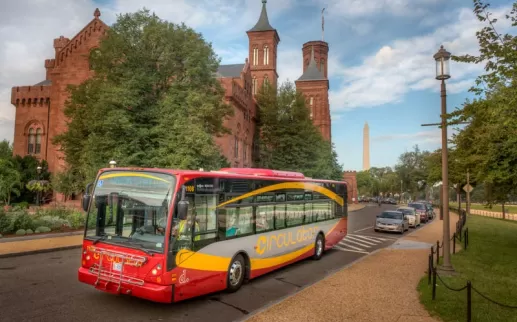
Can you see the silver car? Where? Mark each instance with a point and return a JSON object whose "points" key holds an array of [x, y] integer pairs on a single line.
{"points": [[392, 221]]}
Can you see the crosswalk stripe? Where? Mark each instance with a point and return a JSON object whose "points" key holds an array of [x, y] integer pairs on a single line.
{"points": [[375, 239], [349, 250], [360, 240], [343, 243], [357, 242]]}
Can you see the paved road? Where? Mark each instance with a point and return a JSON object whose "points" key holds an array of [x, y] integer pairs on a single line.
{"points": [[44, 287]]}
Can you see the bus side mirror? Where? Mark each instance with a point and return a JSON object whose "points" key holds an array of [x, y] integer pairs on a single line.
{"points": [[183, 209], [86, 197]]}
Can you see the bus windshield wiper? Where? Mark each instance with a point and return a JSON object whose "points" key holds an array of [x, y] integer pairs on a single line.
{"points": [[99, 239], [142, 247]]}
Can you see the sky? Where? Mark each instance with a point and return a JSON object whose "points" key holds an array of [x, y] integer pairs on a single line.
{"points": [[381, 66]]}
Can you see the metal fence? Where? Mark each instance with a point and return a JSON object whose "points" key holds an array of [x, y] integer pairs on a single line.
{"points": [[433, 275]]}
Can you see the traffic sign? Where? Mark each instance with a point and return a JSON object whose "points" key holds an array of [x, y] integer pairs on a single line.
{"points": [[468, 188]]}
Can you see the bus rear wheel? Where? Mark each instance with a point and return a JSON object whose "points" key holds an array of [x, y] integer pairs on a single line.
{"points": [[236, 273], [319, 247]]}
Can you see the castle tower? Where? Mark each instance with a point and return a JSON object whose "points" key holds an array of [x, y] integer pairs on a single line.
{"points": [[321, 53], [263, 44], [315, 87], [366, 147]]}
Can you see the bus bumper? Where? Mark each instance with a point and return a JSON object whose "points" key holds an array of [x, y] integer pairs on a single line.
{"points": [[149, 291]]}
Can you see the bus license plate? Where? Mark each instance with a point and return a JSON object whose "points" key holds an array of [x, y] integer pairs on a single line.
{"points": [[117, 267]]}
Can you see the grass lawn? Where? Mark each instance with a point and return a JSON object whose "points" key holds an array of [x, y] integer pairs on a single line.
{"points": [[512, 209], [490, 263]]}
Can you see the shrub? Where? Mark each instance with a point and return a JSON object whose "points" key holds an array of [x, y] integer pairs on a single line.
{"points": [[42, 229], [53, 222], [5, 222], [21, 232], [22, 220], [76, 219]]}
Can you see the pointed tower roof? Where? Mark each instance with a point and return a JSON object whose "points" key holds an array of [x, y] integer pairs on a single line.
{"points": [[312, 72], [263, 22]]}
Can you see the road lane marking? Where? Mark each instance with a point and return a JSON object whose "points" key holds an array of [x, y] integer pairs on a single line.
{"points": [[357, 243], [349, 250], [363, 229], [375, 239], [360, 240], [343, 243]]}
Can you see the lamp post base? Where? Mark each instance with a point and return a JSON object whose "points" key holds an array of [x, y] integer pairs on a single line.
{"points": [[446, 270]]}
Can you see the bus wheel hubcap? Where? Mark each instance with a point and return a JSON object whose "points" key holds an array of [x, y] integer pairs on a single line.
{"points": [[235, 273], [319, 247]]}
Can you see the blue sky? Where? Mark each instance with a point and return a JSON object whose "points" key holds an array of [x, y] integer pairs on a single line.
{"points": [[380, 60]]}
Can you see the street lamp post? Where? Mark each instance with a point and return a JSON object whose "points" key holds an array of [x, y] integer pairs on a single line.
{"points": [[442, 73], [38, 169]]}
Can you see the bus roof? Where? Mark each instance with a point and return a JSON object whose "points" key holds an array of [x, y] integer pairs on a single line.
{"points": [[248, 173]]}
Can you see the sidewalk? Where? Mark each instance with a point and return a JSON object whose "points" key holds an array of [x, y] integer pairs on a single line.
{"points": [[380, 287], [26, 245], [32, 246]]}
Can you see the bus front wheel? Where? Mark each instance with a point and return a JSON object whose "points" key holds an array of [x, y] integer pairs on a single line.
{"points": [[236, 273], [319, 247]]}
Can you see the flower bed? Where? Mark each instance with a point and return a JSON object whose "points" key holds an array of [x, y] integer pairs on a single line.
{"points": [[19, 222]]}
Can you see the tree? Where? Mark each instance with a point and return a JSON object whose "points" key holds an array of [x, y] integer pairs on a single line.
{"points": [[365, 183], [66, 182], [10, 180], [412, 170], [287, 138], [487, 145], [154, 101], [6, 150]]}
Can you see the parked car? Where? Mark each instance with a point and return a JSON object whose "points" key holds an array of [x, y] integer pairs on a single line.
{"points": [[410, 213], [421, 210], [429, 207], [392, 221]]}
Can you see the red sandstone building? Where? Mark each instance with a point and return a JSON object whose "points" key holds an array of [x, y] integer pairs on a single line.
{"points": [[39, 108]]}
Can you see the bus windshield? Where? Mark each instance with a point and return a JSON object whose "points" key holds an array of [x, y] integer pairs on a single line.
{"points": [[131, 208]]}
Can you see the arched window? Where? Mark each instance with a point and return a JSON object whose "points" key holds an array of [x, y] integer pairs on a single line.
{"points": [[311, 106], [255, 56], [266, 81], [30, 148], [254, 85], [266, 55], [38, 141]]}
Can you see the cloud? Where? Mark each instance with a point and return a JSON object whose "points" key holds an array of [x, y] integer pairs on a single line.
{"points": [[361, 8], [429, 138], [407, 64]]}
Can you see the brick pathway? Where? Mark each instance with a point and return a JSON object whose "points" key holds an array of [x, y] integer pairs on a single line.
{"points": [[382, 287]]}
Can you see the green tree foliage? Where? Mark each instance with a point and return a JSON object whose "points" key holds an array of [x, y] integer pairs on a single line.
{"points": [[6, 150], [10, 180], [287, 138], [154, 101], [412, 170], [66, 182], [488, 144]]}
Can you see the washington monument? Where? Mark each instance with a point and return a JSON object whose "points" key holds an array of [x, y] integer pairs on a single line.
{"points": [[366, 147]]}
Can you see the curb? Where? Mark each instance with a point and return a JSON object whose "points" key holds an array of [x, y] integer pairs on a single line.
{"points": [[42, 236], [286, 297], [39, 251]]}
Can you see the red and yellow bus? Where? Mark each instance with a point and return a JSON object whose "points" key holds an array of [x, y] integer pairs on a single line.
{"points": [[169, 235]]}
